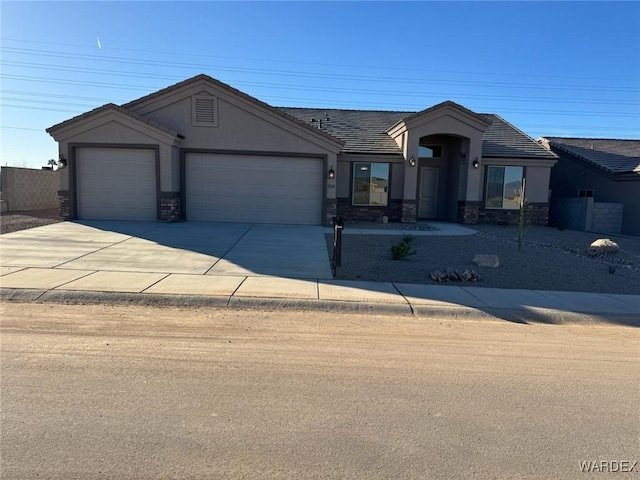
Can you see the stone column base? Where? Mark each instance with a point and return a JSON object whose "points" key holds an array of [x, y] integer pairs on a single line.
{"points": [[170, 210], [330, 211], [64, 204], [409, 211]]}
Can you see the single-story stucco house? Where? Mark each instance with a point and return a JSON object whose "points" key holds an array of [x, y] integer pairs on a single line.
{"points": [[201, 150], [596, 184]]}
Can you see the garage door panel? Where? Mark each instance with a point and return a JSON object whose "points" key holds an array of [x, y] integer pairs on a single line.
{"points": [[255, 189], [116, 184]]}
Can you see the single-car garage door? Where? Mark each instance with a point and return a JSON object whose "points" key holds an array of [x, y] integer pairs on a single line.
{"points": [[254, 189], [116, 184]]}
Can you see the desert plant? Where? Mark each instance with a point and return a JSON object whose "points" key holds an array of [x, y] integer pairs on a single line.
{"points": [[401, 250], [526, 217]]}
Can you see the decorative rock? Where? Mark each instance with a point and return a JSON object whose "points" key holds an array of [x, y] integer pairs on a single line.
{"points": [[603, 246], [486, 260], [456, 275]]}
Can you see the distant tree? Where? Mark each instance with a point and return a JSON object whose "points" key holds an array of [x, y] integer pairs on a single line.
{"points": [[52, 163]]}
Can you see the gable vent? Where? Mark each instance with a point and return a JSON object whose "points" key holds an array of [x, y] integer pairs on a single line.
{"points": [[204, 111]]}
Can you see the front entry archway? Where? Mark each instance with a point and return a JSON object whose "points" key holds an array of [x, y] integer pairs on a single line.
{"points": [[440, 176]]}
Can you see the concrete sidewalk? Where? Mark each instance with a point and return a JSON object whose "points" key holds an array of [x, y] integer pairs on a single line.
{"points": [[524, 306]]}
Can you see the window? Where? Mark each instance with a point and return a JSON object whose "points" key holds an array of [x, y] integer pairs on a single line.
{"points": [[585, 193], [504, 187], [430, 151], [370, 184], [204, 111]]}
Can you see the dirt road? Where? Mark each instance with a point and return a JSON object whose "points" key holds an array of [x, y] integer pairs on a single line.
{"points": [[133, 392]]}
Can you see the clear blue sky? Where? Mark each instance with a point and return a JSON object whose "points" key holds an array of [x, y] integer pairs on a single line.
{"points": [[556, 69]]}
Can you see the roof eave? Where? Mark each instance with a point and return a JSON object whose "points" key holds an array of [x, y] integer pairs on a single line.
{"points": [[56, 131]]}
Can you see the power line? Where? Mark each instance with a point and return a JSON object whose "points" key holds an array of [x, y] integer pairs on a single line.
{"points": [[309, 101], [23, 128], [315, 75], [297, 62], [325, 89]]}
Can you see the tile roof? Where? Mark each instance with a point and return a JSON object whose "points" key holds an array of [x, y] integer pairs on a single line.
{"points": [[611, 155], [504, 140], [364, 131]]}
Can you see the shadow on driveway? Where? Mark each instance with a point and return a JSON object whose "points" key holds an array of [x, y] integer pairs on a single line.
{"points": [[188, 247]]}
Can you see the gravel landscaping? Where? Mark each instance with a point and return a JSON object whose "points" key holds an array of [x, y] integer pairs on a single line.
{"points": [[15, 221], [550, 260]]}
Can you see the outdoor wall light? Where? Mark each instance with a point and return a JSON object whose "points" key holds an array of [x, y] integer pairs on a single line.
{"points": [[412, 161], [332, 174], [476, 163], [62, 162]]}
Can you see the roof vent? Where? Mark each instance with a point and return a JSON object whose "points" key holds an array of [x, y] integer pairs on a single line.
{"points": [[204, 111]]}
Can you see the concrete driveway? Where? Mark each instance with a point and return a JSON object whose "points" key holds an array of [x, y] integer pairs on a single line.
{"points": [[220, 249]]}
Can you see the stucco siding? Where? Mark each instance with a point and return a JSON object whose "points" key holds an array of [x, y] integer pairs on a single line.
{"points": [[537, 184], [238, 128]]}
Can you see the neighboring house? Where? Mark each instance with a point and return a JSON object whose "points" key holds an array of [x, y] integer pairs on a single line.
{"points": [[201, 150], [596, 184]]}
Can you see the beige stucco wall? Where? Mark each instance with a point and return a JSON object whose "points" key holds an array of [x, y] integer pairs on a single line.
{"points": [[30, 189], [537, 184], [241, 125]]}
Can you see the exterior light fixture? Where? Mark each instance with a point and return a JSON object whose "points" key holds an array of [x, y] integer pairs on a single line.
{"points": [[476, 163], [62, 162], [332, 174], [412, 161]]}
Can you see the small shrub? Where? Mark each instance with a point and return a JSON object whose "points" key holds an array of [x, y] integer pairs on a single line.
{"points": [[401, 250]]}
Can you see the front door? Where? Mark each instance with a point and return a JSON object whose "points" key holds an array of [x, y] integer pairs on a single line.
{"points": [[428, 199]]}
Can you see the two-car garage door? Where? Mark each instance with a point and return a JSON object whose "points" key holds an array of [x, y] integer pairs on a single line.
{"points": [[121, 184], [253, 188], [116, 183]]}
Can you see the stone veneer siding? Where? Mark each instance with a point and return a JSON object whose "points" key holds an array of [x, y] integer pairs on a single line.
{"points": [[331, 210], [473, 213], [348, 212], [409, 211], [170, 206], [64, 204]]}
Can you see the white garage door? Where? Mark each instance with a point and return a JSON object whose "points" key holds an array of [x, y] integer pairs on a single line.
{"points": [[116, 184], [254, 189]]}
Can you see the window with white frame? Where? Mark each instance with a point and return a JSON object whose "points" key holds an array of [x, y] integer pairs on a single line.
{"points": [[503, 189], [370, 183]]}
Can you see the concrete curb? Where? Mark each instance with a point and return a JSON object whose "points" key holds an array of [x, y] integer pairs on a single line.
{"points": [[523, 316]]}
